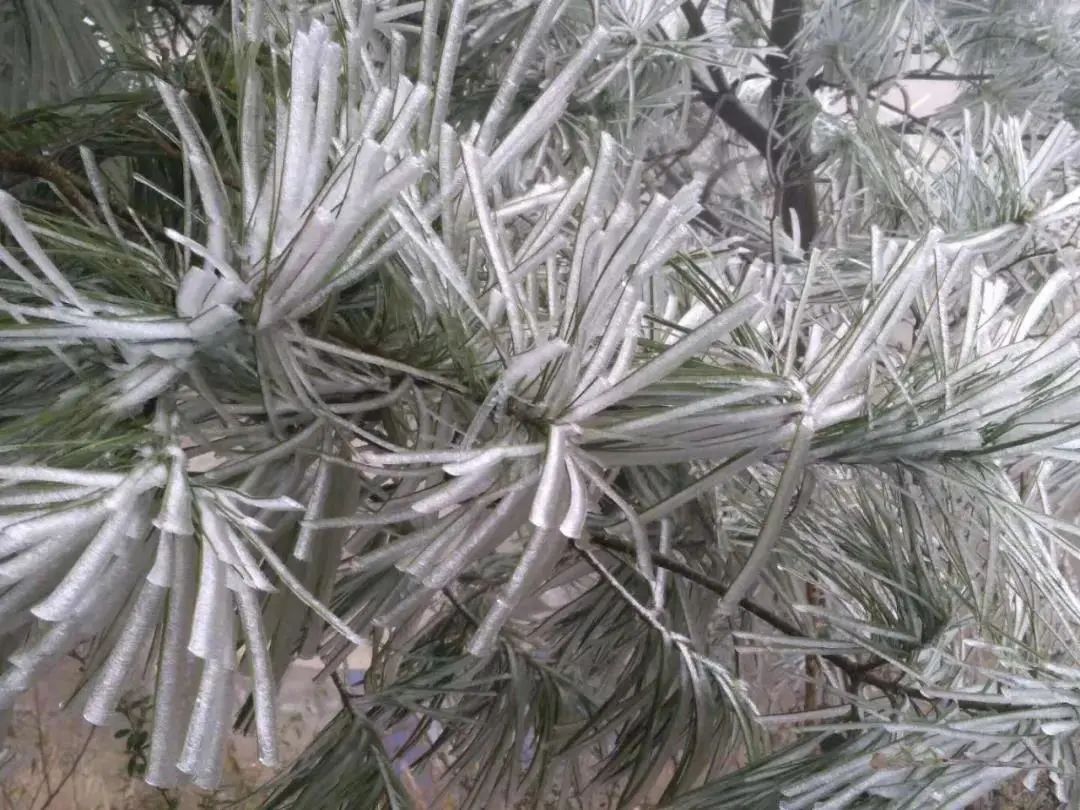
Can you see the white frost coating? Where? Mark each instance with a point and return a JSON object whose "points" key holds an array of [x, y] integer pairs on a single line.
{"points": [[258, 247], [302, 593], [586, 261], [378, 115], [402, 548], [464, 520], [97, 186], [133, 330], [573, 523], [306, 54], [40, 497], [666, 362], [16, 600], [1043, 299], [841, 411], [774, 518], [610, 339], [548, 504], [141, 383], [691, 409], [540, 197], [59, 475], [503, 521], [264, 691], [216, 531], [20, 270], [161, 572], [397, 135], [210, 602], [174, 668], [109, 685], [215, 318], [490, 457], [380, 459], [314, 231], [1066, 332], [326, 120], [11, 217], [453, 36], [888, 307], [320, 492], [211, 693], [627, 349], [557, 218], [1010, 390], [253, 20], [471, 159], [211, 190], [280, 503], [539, 24], [246, 567], [540, 554], [83, 575], [354, 214], [601, 188], [546, 109], [195, 286], [530, 364], [436, 251], [454, 492], [41, 547], [251, 130]]}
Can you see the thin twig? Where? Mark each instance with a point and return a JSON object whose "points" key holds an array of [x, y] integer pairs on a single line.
{"points": [[44, 169], [344, 694], [795, 180], [860, 672], [460, 607], [71, 770], [46, 782]]}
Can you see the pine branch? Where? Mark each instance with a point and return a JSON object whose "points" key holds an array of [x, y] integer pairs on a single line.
{"points": [[443, 371], [859, 672]]}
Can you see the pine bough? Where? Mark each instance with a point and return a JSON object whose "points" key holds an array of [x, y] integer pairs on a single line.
{"points": [[436, 383]]}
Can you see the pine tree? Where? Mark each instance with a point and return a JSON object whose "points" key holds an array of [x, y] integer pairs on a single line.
{"points": [[683, 411]]}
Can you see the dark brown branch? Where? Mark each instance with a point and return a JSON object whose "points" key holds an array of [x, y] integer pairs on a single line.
{"points": [[74, 191], [793, 168], [44, 169], [815, 83], [935, 76], [723, 99], [786, 145], [786, 22]]}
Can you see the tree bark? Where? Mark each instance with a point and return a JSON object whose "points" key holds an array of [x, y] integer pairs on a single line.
{"points": [[793, 164]]}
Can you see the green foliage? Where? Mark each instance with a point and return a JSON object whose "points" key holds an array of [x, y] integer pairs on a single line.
{"points": [[135, 733]]}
